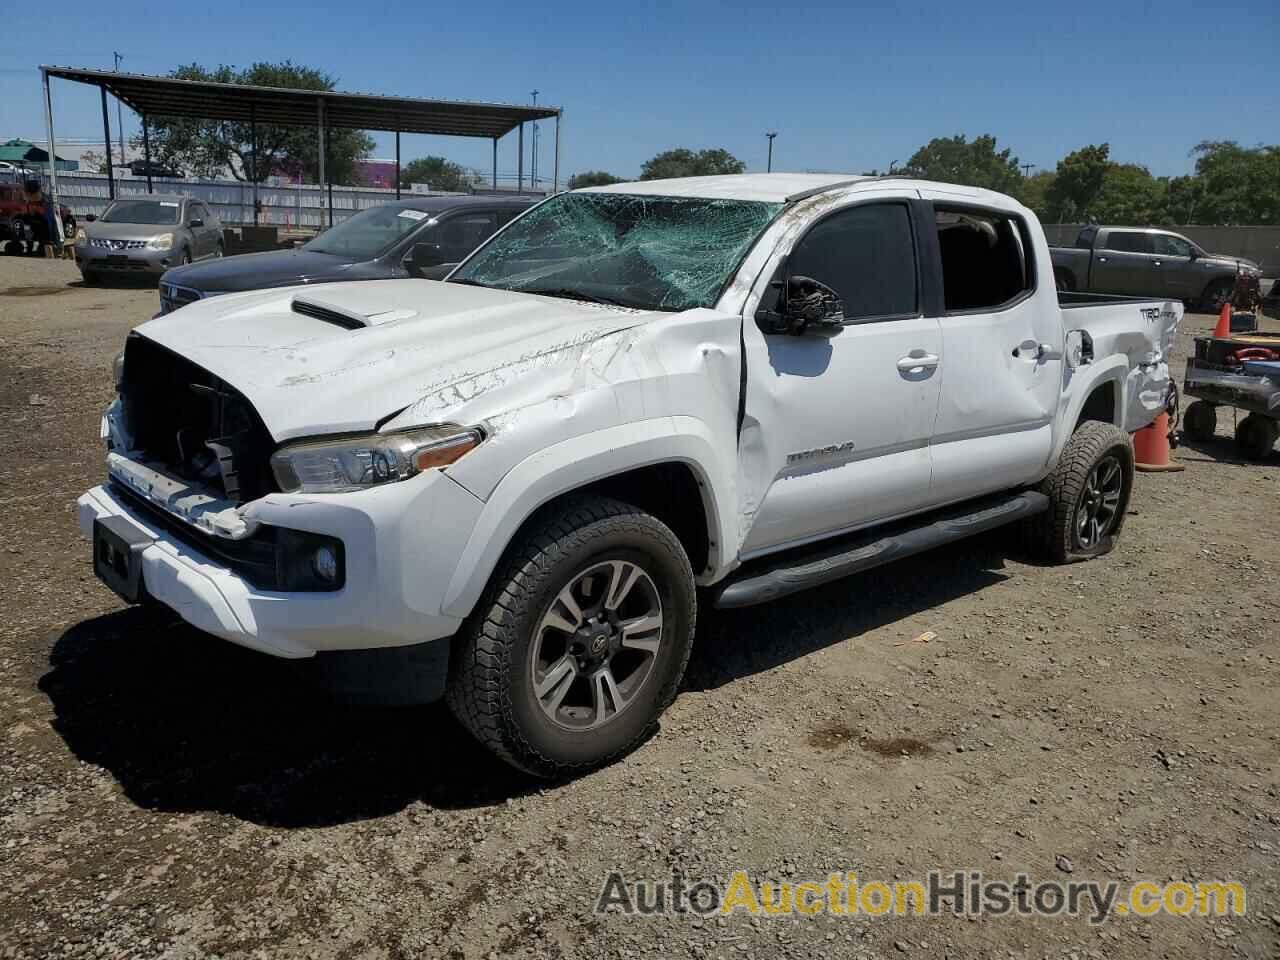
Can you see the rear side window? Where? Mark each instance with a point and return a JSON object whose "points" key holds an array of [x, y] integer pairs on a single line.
{"points": [[1125, 241], [867, 255], [986, 258]]}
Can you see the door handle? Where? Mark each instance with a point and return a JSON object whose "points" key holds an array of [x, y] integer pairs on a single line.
{"points": [[1155, 263], [1034, 350], [917, 360], [1102, 259]]}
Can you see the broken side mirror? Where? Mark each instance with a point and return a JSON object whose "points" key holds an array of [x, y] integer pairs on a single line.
{"points": [[802, 305], [422, 256], [1079, 349]]}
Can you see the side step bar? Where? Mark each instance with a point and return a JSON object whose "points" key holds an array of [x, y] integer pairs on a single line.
{"points": [[814, 567]]}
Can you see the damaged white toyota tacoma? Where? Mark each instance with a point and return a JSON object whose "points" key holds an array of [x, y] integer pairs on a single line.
{"points": [[510, 488]]}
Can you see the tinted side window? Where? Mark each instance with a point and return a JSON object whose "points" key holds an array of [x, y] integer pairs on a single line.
{"points": [[1128, 242], [459, 235], [867, 255], [986, 259], [1167, 246]]}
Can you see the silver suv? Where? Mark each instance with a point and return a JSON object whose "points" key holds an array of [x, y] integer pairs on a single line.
{"points": [[145, 236]]}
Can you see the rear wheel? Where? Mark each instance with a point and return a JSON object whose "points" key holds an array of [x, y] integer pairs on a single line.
{"points": [[1200, 422], [580, 641], [1088, 495], [1256, 436]]}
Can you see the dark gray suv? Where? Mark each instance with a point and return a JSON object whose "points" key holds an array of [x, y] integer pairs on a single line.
{"points": [[418, 237]]}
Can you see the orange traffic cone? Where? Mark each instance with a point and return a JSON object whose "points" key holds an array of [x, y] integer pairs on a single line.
{"points": [[1223, 330], [1151, 448]]}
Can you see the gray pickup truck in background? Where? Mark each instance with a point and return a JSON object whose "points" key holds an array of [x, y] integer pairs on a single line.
{"points": [[1147, 262]]}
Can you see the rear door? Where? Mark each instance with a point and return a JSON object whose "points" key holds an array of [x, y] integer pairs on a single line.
{"points": [[1123, 263], [1002, 341], [836, 427]]}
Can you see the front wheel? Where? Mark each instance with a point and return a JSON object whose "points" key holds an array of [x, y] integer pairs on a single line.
{"points": [[1216, 295], [580, 640], [1088, 495]]}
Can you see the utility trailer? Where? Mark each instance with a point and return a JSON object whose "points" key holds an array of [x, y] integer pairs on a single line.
{"points": [[1240, 372]]}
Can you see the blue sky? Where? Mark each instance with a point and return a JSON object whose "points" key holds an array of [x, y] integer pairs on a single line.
{"points": [[848, 88]]}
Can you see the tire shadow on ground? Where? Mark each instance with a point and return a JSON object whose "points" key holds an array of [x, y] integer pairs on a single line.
{"points": [[735, 643], [1222, 450], [188, 722]]}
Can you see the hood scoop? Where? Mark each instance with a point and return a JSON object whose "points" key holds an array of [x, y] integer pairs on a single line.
{"points": [[345, 317]]}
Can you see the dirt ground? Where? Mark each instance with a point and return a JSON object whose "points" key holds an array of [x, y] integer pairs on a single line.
{"points": [[163, 793]]}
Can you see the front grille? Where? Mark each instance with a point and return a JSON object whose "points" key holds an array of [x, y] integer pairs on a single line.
{"points": [[254, 558], [198, 426], [117, 244], [173, 296]]}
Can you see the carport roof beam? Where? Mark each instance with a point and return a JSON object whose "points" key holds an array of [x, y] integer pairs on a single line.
{"points": [[167, 96]]}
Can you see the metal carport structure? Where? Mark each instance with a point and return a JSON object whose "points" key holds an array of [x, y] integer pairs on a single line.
{"points": [[326, 109]]}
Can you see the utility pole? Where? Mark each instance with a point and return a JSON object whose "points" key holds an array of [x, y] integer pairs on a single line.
{"points": [[1027, 168], [771, 134], [533, 160], [119, 115]]}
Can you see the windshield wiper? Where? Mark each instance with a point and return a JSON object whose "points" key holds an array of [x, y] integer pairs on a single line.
{"points": [[569, 293]]}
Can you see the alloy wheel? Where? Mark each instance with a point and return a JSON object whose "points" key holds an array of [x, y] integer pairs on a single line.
{"points": [[1099, 506], [596, 645]]}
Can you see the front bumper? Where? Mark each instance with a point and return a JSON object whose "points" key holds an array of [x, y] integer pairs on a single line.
{"points": [[126, 261], [401, 544]]}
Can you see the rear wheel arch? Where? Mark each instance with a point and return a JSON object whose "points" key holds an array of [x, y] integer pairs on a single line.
{"points": [[1101, 404]]}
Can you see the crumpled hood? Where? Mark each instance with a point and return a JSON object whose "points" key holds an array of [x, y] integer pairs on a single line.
{"points": [[440, 343]]}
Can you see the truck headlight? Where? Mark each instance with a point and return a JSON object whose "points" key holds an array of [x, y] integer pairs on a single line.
{"points": [[163, 242], [81, 239], [356, 463]]}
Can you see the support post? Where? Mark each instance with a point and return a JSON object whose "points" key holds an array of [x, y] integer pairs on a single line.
{"points": [[146, 150], [322, 181], [106, 137], [495, 163], [53, 157], [397, 164], [555, 170], [253, 156], [520, 162]]}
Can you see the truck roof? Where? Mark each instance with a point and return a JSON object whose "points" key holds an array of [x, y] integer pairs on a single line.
{"points": [[770, 187], [778, 187]]}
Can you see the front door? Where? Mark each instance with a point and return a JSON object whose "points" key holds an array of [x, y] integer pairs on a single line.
{"points": [[1180, 281], [1002, 342], [836, 427]]}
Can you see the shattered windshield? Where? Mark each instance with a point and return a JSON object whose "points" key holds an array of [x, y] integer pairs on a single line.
{"points": [[654, 253]]}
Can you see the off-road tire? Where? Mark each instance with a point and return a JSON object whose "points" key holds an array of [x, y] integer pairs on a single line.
{"points": [[489, 688], [1200, 422], [1052, 536], [1256, 436]]}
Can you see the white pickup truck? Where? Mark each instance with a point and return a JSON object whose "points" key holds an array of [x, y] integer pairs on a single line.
{"points": [[509, 489]]}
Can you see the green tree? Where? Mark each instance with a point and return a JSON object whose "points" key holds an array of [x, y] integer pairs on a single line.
{"points": [[1241, 185], [441, 174], [208, 147], [975, 163], [593, 178], [1130, 195], [1035, 191], [1077, 183], [682, 162], [1183, 197]]}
